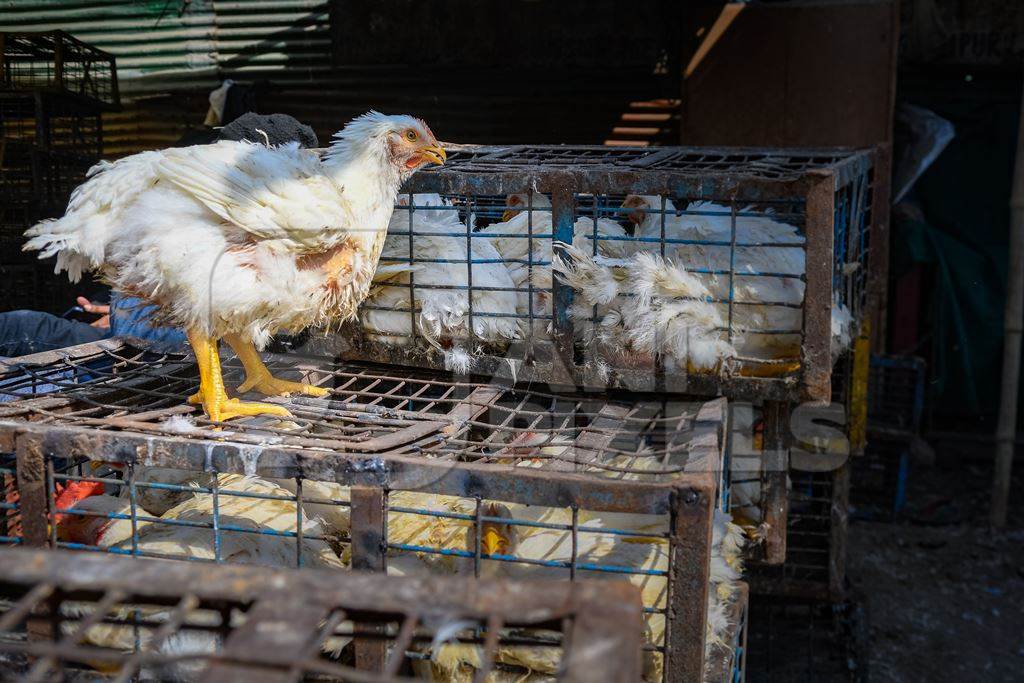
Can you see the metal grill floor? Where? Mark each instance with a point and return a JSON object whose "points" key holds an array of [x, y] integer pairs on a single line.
{"points": [[372, 409]]}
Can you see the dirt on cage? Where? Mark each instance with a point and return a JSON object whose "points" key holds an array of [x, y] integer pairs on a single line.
{"points": [[945, 593]]}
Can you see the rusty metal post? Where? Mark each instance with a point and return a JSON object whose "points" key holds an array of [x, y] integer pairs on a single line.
{"points": [[819, 233], [775, 461], [689, 565], [368, 539], [857, 391], [562, 226], [32, 491], [878, 256]]}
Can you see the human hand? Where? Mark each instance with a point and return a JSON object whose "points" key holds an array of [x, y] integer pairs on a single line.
{"points": [[102, 310]]}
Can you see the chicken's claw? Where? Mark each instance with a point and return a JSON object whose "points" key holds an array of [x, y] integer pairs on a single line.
{"points": [[268, 385], [228, 408]]}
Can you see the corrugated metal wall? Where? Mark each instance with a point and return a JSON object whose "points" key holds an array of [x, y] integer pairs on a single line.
{"points": [[186, 48], [171, 53]]}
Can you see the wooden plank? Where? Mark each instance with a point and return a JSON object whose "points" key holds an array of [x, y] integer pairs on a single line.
{"points": [[819, 73]]}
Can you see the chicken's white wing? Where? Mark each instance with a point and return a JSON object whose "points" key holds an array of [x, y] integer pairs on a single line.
{"points": [[271, 193]]}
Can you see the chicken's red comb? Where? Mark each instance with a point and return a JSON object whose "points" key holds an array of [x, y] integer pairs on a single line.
{"points": [[76, 491]]}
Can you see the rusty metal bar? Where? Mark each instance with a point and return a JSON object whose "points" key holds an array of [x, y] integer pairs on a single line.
{"points": [[369, 536], [819, 233], [581, 662], [31, 473], [775, 464], [489, 481], [563, 225], [690, 557]]}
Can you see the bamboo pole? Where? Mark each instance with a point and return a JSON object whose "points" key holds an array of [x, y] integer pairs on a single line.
{"points": [[1012, 328]]}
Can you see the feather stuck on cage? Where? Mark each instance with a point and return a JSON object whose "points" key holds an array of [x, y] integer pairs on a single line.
{"points": [[238, 241], [645, 304], [766, 265]]}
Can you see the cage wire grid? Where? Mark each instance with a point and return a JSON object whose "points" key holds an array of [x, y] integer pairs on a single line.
{"points": [[384, 431], [826, 195], [56, 61], [276, 625]]}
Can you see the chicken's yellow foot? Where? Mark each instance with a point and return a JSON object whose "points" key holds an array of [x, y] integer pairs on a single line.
{"points": [[211, 386], [258, 377]]}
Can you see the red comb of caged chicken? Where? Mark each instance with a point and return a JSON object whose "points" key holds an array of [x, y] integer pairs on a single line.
{"points": [[68, 496]]}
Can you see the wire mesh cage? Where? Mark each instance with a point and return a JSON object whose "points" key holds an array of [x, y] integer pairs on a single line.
{"points": [[399, 470], [896, 395], [73, 617], [55, 61], [699, 271], [816, 533], [47, 143], [807, 640]]}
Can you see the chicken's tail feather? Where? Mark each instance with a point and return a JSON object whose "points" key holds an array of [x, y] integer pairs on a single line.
{"points": [[53, 237]]}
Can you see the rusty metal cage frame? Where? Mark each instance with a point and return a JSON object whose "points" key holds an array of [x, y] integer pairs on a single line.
{"points": [[289, 615], [58, 62], [113, 430], [829, 193]]}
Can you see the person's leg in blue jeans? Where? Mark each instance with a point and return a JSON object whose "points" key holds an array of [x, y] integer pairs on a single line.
{"points": [[24, 332]]}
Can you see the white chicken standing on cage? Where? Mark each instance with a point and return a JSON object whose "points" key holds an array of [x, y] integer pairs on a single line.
{"points": [[442, 308], [238, 241]]}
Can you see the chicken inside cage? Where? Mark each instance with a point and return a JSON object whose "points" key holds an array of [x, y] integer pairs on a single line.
{"points": [[704, 285]]}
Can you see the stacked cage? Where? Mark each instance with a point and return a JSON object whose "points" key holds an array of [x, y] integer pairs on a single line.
{"points": [[402, 471], [607, 293], [822, 454], [53, 89], [63, 615]]}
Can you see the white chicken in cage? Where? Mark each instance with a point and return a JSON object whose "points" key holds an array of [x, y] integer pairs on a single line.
{"points": [[766, 264], [524, 239], [251, 527], [439, 277], [645, 552], [644, 305]]}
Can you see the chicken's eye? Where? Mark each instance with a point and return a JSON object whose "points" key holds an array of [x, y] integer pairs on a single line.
{"points": [[411, 135]]}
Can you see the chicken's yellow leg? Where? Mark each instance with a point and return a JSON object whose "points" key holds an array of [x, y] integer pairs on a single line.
{"points": [[258, 377], [211, 385]]}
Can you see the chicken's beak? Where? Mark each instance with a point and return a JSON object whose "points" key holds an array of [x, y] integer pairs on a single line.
{"points": [[435, 154], [493, 542], [508, 215]]}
